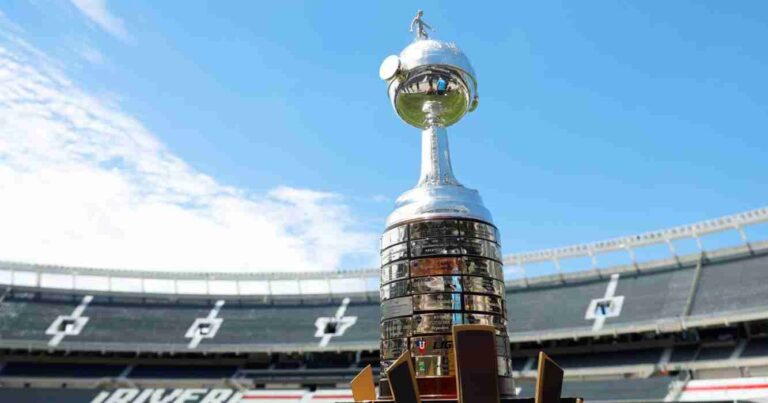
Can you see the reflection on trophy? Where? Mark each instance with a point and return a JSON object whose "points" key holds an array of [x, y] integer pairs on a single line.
{"points": [[440, 253]]}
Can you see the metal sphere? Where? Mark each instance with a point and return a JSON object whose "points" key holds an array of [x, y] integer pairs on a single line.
{"points": [[434, 83]]}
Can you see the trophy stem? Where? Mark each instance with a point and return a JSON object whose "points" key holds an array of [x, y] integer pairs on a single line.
{"points": [[436, 167]]}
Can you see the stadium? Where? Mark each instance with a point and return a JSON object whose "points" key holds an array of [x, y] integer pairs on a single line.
{"points": [[677, 314], [191, 197]]}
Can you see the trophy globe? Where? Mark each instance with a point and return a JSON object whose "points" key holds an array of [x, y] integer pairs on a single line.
{"points": [[430, 83]]}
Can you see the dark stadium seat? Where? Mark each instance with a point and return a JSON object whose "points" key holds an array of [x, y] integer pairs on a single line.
{"points": [[48, 370], [114, 322], [651, 389], [684, 353], [289, 361], [371, 358], [654, 295], [715, 353], [367, 325], [157, 323], [647, 297], [725, 286], [257, 365], [183, 371], [518, 363], [260, 324], [756, 348], [615, 358], [330, 360], [641, 390], [530, 310], [303, 375], [732, 285], [26, 317]]}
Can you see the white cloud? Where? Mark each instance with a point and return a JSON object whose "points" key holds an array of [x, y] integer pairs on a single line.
{"points": [[84, 183], [7, 24], [380, 199], [91, 55], [96, 11]]}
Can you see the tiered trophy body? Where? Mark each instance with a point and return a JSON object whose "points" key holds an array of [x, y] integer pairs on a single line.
{"points": [[441, 261]]}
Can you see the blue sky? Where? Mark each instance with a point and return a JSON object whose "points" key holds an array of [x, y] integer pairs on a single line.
{"points": [[596, 120]]}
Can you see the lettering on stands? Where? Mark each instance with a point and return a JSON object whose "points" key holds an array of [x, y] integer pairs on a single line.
{"points": [[130, 395]]}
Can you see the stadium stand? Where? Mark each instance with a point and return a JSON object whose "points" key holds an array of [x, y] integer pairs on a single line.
{"points": [[185, 371], [756, 348], [28, 369], [642, 331], [647, 390], [733, 285]]}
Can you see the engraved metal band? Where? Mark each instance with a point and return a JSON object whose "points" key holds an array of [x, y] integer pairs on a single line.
{"points": [[483, 285], [440, 228], [481, 247], [433, 284], [436, 266], [436, 247], [453, 246], [394, 236], [394, 253], [484, 303], [496, 321], [437, 302], [434, 228], [483, 267], [396, 307], [435, 322], [396, 328], [441, 322], [392, 349], [395, 271], [395, 289], [476, 229], [405, 306]]}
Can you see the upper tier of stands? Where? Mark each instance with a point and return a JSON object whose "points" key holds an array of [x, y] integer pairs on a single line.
{"points": [[727, 286]]}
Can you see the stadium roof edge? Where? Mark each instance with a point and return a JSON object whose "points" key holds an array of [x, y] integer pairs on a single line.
{"points": [[730, 222]]}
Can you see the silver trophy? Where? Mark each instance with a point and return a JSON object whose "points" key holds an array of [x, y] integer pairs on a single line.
{"points": [[440, 253]]}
